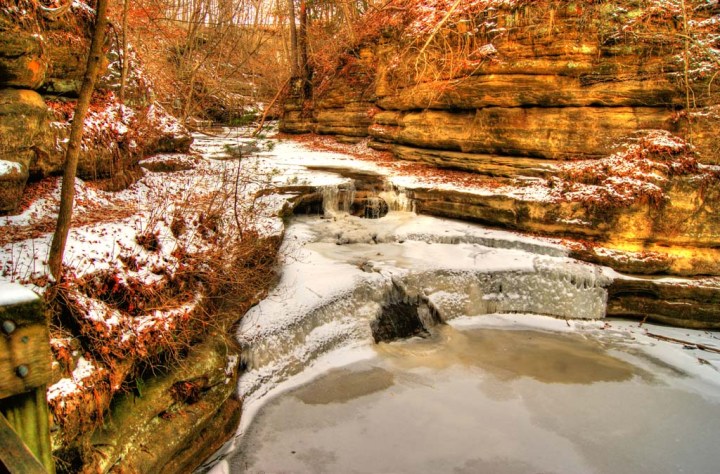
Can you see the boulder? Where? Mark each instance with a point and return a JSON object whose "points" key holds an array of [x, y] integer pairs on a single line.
{"points": [[24, 120], [191, 407], [23, 62], [13, 176], [67, 55], [24, 136]]}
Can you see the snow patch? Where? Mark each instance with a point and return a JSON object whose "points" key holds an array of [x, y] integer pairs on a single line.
{"points": [[9, 167], [13, 294]]}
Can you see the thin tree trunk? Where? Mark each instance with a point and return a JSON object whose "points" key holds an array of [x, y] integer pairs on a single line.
{"points": [[67, 193], [125, 62], [689, 98], [303, 46], [269, 106], [294, 67], [348, 17]]}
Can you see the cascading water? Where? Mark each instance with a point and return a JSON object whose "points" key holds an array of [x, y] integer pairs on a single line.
{"points": [[350, 274], [397, 199], [365, 200], [338, 198]]}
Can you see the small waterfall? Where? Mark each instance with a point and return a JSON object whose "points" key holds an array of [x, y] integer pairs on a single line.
{"points": [[362, 199], [397, 199], [338, 198], [375, 207]]}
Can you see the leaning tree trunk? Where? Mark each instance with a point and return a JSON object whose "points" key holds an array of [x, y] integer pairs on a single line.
{"points": [[125, 61], [67, 193]]}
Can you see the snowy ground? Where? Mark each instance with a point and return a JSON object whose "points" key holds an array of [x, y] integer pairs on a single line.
{"points": [[136, 240], [338, 272]]}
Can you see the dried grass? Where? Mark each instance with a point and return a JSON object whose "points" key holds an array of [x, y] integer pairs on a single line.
{"points": [[142, 316]]}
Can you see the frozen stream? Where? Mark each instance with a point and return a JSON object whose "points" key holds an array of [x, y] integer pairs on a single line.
{"points": [[509, 366], [487, 401]]}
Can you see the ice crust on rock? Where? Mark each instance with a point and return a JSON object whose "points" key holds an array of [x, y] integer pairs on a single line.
{"points": [[347, 269]]}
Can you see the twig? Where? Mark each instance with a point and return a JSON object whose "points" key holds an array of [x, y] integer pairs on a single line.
{"points": [[267, 109], [437, 28], [702, 347]]}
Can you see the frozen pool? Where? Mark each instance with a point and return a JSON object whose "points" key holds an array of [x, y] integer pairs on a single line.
{"points": [[490, 400]]}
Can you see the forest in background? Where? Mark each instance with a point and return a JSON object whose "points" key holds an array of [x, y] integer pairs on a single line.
{"points": [[223, 60]]}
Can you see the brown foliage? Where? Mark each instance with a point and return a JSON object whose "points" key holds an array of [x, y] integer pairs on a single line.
{"points": [[637, 174]]}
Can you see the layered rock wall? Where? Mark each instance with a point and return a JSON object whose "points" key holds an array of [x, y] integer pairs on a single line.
{"points": [[522, 91], [549, 82]]}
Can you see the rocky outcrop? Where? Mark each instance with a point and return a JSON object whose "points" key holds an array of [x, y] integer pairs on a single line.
{"points": [[518, 91], [41, 65], [193, 409], [664, 239], [24, 121], [558, 133], [343, 105], [23, 62], [693, 304], [68, 56]]}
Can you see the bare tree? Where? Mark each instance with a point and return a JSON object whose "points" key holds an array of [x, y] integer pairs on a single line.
{"points": [[125, 60], [67, 193], [294, 66]]}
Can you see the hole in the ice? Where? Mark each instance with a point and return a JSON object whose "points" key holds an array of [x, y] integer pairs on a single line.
{"points": [[403, 317], [397, 321]]}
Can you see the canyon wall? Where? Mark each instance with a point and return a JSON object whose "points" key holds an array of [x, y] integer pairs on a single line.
{"points": [[562, 83], [556, 99]]}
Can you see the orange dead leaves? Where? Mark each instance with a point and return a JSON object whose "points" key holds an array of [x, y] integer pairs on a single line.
{"points": [[187, 391]]}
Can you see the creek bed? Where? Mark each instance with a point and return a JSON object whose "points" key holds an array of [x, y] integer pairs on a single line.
{"points": [[489, 400], [509, 365]]}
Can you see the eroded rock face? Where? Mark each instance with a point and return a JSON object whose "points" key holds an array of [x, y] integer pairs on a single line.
{"points": [[693, 306], [24, 134], [68, 56], [23, 62], [192, 427], [24, 120], [343, 108], [541, 132], [553, 82], [676, 237]]}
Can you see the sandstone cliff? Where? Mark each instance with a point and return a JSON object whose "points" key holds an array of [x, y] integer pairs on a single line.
{"points": [[602, 114]]}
